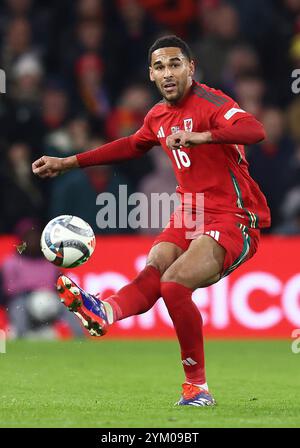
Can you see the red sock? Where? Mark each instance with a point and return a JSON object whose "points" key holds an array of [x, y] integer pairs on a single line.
{"points": [[187, 322], [138, 296]]}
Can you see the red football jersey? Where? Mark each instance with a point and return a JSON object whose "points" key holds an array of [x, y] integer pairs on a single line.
{"points": [[219, 171]]}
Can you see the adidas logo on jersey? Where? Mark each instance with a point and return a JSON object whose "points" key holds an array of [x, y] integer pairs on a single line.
{"points": [[161, 133]]}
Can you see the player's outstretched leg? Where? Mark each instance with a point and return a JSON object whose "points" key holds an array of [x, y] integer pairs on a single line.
{"points": [[89, 309], [142, 293], [96, 315], [135, 298]]}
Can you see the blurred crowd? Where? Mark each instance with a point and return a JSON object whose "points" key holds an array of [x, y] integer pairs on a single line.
{"points": [[77, 76]]}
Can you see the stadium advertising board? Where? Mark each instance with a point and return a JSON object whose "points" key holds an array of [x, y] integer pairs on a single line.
{"points": [[260, 299]]}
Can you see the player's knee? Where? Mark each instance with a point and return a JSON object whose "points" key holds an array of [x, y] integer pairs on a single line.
{"points": [[163, 255], [176, 275], [159, 261], [189, 278]]}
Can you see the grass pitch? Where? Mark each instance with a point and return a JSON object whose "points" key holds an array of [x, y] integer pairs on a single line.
{"points": [[135, 383]]}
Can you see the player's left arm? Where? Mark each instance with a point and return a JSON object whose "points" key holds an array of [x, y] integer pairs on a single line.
{"points": [[229, 124]]}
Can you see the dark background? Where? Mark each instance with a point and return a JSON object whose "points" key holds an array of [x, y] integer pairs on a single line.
{"points": [[77, 76]]}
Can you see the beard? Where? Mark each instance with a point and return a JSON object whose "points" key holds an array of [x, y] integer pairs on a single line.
{"points": [[172, 97]]}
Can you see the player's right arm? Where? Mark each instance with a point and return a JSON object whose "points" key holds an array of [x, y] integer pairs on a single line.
{"points": [[125, 148]]}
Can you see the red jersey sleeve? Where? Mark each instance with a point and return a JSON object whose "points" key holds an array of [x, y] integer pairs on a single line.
{"points": [[231, 124], [144, 139], [227, 114], [125, 148]]}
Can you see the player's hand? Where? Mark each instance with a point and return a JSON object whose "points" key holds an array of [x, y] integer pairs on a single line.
{"points": [[48, 166], [179, 139], [187, 139]]}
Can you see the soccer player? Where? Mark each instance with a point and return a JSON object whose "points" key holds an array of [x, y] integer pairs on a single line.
{"points": [[203, 131]]}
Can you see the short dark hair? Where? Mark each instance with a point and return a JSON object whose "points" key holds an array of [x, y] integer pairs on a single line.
{"points": [[170, 41]]}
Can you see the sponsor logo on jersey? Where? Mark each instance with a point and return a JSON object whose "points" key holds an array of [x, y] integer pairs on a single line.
{"points": [[161, 133], [188, 124]]}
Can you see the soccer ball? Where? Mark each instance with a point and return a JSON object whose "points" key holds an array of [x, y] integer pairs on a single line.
{"points": [[68, 241]]}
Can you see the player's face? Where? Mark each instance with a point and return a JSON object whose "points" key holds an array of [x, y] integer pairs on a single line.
{"points": [[172, 73]]}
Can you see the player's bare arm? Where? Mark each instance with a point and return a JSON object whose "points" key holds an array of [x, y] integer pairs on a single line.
{"points": [[48, 166]]}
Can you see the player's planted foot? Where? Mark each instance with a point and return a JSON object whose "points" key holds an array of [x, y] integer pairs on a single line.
{"points": [[193, 395], [89, 309]]}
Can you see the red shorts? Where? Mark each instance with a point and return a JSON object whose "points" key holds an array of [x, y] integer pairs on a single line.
{"points": [[240, 242]]}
